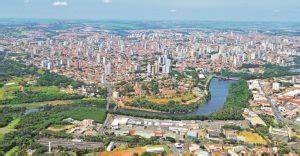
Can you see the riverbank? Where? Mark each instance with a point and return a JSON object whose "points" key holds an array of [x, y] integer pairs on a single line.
{"points": [[226, 110]]}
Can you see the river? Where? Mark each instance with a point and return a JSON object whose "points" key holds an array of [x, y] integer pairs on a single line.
{"points": [[295, 70], [219, 90]]}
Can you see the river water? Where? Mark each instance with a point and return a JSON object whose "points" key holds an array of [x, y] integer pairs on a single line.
{"points": [[219, 90], [296, 70]]}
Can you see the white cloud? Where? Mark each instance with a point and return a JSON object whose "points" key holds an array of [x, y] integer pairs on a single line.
{"points": [[58, 3], [107, 1], [26, 1], [173, 10]]}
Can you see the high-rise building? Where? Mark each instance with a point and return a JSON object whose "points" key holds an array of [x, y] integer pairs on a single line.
{"points": [[137, 67], [103, 78], [108, 70], [149, 69], [98, 58], [104, 60], [69, 61], [276, 86]]}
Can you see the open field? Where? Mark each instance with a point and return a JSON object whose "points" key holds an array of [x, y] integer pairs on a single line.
{"points": [[252, 138], [81, 113]]}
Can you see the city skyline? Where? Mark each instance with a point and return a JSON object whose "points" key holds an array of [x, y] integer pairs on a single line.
{"points": [[215, 10]]}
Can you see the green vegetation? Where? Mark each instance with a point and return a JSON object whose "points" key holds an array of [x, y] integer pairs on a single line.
{"points": [[34, 125], [12, 152], [170, 107], [178, 101], [4, 120], [38, 94], [53, 79], [270, 71], [24, 87], [13, 123], [9, 69], [270, 121], [40, 104], [81, 113]]}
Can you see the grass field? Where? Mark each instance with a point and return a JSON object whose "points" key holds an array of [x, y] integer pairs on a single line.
{"points": [[7, 91], [252, 138], [81, 113]]}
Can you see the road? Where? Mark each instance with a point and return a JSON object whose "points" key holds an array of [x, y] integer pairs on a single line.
{"points": [[173, 148], [109, 94], [108, 120], [277, 114]]}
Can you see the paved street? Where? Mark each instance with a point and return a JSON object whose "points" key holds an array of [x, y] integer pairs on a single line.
{"points": [[277, 114], [175, 151]]}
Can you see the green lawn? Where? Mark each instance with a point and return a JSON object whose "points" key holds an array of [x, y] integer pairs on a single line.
{"points": [[81, 113]]}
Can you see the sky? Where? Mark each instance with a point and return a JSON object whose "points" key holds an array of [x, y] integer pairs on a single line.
{"points": [[208, 10]]}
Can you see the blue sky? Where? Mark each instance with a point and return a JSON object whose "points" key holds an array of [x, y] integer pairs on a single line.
{"points": [[215, 10]]}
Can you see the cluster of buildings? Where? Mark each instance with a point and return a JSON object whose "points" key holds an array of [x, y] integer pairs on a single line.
{"points": [[211, 135], [281, 94], [278, 98], [99, 56]]}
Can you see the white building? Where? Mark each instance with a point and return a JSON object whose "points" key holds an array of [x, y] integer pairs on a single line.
{"points": [[276, 86]]}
